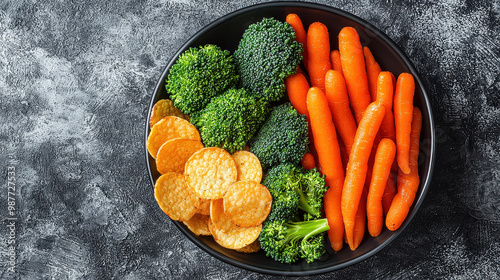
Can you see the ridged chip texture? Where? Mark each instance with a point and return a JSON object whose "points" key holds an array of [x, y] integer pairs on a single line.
{"points": [[247, 203], [170, 128], [236, 237], [173, 154], [248, 165], [198, 224], [175, 198], [210, 171], [164, 108]]}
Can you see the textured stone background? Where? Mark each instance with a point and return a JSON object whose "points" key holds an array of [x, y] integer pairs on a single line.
{"points": [[76, 78]]}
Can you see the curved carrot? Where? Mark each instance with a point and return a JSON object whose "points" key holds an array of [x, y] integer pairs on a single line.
{"points": [[403, 111], [372, 71], [389, 192], [360, 220], [327, 147], [318, 51], [384, 157], [335, 60], [308, 161], [407, 183], [300, 32], [353, 68], [297, 87], [338, 101], [358, 165], [385, 94]]}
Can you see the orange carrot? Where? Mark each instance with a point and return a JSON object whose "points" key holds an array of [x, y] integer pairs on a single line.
{"points": [[390, 191], [384, 157], [403, 111], [297, 87], [385, 93], [407, 183], [343, 153], [353, 68], [335, 60], [338, 101], [327, 147], [358, 165], [300, 32], [318, 51], [372, 71], [360, 220], [308, 161]]}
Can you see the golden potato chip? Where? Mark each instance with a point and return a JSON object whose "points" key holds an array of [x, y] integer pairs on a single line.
{"points": [[198, 224], [236, 237], [209, 172], [204, 207], [173, 154], [248, 165], [253, 247], [247, 203], [219, 219], [175, 198], [164, 108], [170, 128]]}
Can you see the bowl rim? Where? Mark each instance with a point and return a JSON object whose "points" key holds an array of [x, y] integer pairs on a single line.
{"points": [[389, 41]]}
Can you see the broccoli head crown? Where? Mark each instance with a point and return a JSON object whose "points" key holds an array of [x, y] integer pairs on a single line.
{"points": [[282, 138], [286, 242], [230, 120], [198, 75], [267, 54], [294, 188]]}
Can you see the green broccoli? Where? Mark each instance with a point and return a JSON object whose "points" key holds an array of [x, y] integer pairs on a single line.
{"points": [[294, 188], [230, 120], [286, 242], [266, 55], [198, 75], [282, 138]]}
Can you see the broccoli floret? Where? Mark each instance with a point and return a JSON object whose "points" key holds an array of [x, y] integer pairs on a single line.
{"points": [[198, 75], [294, 188], [267, 54], [282, 138], [230, 120], [287, 241]]}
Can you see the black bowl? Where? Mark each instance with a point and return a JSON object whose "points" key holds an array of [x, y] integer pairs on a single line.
{"points": [[226, 33]]}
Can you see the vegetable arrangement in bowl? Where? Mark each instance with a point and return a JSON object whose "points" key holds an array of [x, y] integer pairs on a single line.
{"points": [[285, 141]]}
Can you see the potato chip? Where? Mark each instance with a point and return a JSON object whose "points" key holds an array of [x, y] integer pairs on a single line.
{"points": [[198, 224], [173, 154], [164, 108], [209, 172], [204, 207], [175, 198], [247, 203], [236, 237], [253, 247], [219, 219], [170, 128], [248, 165]]}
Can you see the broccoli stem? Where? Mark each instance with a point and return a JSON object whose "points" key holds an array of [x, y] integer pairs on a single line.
{"points": [[304, 230], [304, 205]]}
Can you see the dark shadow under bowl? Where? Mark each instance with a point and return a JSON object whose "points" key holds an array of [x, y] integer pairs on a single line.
{"points": [[226, 33]]}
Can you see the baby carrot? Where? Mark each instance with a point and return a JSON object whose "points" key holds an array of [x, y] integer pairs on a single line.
{"points": [[300, 33], [360, 220], [296, 88], [343, 153], [318, 51], [354, 71], [403, 111], [389, 192], [381, 169], [372, 71], [338, 101], [407, 183], [308, 161], [335, 60], [358, 165], [327, 147], [385, 93]]}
